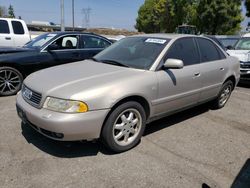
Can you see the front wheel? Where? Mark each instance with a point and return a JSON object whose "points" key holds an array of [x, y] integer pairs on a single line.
{"points": [[124, 127], [224, 95], [10, 81]]}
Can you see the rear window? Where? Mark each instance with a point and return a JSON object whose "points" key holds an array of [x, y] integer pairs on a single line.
{"points": [[4, 27], [17, 27]]}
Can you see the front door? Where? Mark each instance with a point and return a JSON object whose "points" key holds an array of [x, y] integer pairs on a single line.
{"points": [[179, 88]]}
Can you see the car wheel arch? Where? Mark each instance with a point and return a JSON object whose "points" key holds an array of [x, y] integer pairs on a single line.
{"points": [[136, 98], [15, 67], [233, 79]]}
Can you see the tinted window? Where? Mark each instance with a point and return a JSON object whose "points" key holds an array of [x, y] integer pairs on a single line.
{"points": [[17, 27], [208, 50], [185, 50], [4, 27], [94, 42]]}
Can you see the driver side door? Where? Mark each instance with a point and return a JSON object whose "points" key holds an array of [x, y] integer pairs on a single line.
{"points": [[179, 88], [64, 49]]}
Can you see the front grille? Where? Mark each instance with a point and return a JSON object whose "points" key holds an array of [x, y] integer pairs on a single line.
{"points": [[245, 65], [32, 97]]}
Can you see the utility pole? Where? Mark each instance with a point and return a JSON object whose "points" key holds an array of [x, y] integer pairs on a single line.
{"points": [[73, 15], [62, 16]]}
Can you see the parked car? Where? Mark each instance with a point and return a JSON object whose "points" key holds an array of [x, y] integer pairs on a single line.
{"points": [[13, 32], [228, 41], [45, 51], [241, 50], [134, 81]]}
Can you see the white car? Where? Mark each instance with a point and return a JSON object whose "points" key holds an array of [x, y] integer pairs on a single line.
{"points": [[13, 32], [241, 50]]}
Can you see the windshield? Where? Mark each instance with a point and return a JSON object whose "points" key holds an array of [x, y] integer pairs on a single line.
{"points": [[229, 41], [135, 52], [39, 41], [243, 44]]}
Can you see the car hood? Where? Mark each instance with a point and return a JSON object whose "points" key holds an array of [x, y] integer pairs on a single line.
{"points": [[242, 55], [6, 50], [71, 80]]}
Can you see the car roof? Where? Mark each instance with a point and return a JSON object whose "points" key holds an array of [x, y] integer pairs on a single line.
{"points": [[166, 35], [73, 32]]}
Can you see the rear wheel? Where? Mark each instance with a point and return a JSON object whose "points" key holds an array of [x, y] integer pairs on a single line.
{"points": [[124, 127], [10, 81], [224, 95]]}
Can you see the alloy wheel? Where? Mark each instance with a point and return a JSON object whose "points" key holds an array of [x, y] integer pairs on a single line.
{"points": [[10, 81], [127, 126], [225, 94]]}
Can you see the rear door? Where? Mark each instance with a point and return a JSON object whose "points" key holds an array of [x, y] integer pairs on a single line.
{"points": [[20, 35], [6, 37], [179, 88], [213, 68], [92, 45]]}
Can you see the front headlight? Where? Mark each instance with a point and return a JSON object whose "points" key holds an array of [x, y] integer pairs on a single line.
{"points": [[62, 105]]}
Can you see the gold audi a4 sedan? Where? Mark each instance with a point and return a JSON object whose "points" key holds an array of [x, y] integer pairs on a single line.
{"points": [[134, 81]]}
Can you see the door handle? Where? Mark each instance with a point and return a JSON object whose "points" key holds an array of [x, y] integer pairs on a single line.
{"points": [[197, 74], [8, 38], [222, 69]]}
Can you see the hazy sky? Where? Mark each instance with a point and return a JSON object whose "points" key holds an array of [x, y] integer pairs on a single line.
{"points": [[104, 13]]}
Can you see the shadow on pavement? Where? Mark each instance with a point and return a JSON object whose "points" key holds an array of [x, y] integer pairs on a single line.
{"points": [[61, 149], [243, 178], [80, 149], [244, 84], [176, 118]]}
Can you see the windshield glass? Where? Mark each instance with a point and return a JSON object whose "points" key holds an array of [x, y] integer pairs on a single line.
{"points": [[243, 44], [39, 41], [135, 52]]}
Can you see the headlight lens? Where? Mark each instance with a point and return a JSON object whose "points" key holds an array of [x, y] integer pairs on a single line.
{"points": [[62, 105]]}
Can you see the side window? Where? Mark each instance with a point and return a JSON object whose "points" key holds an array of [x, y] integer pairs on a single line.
{"points": [[4, 27], [67, 42], [94, 42], [185, 50], [208, 50], [17, 27]]}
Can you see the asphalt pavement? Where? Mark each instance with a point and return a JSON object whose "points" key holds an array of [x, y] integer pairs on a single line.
{"points": [[199, 147]]}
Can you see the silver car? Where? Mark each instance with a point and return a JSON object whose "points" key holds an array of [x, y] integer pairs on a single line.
{"points": [[134, 81]]}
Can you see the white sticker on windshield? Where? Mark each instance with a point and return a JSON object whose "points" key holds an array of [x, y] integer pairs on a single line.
{"points": [[158, 41]]}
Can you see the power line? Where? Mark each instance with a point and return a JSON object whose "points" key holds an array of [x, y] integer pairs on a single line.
{"points": [[86, 12]]}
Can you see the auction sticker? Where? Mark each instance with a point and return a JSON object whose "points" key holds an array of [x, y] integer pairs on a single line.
{"points": [[158, 41]]}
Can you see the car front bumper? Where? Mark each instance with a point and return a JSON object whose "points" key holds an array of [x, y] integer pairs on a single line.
{"points": [[62, 126]]}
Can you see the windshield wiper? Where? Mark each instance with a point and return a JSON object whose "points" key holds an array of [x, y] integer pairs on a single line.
{"points": [[113, 62]]}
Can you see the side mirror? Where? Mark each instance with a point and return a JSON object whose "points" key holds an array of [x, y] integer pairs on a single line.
{"points": [[173, 64], [52, 47], [229, 47]]}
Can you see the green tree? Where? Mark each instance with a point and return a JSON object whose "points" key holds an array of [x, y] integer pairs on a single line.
{"points": [[219, 16], [11, 13], [164, 15], [210, 16]]}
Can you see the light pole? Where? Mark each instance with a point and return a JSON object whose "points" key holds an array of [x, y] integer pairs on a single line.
{"points": [[62, 16], [73, 14]]}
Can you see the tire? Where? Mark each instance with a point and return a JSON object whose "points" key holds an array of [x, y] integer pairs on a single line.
{"points": [[224, 95], [124, 127], [10, 81]]}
